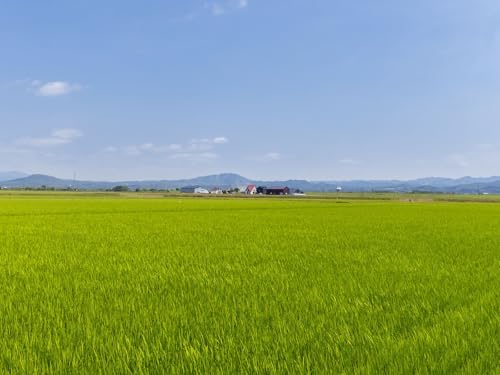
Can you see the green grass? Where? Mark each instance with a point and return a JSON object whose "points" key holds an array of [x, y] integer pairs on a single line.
{"points": [[178, 285]]}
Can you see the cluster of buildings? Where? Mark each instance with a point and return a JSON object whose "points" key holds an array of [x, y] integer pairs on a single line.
{"points": [[247, 190]]}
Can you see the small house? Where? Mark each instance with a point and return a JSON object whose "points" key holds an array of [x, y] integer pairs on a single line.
{"points": [[273, 190], [277, 191], [188, 189], [200, 190], [251, 190], [297, 192]]}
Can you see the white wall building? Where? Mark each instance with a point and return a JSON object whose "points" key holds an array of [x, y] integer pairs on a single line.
{"points": [[200, 190]]}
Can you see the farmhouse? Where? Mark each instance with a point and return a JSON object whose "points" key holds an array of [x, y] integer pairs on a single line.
{"points": [[278, 191], [188, 189], [200, 190], [251, 190], [273, 190], [194, 190]]}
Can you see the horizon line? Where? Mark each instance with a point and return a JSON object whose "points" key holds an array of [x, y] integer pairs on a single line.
{"points": [[27, 175]]}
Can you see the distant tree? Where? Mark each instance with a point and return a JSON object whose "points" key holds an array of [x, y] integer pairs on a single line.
{"points": [[120, 188]]}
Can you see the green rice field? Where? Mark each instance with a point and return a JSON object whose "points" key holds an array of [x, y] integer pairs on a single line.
{"points": [[104, 284]]}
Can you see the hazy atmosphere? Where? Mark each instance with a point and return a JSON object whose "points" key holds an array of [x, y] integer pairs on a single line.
{"points": [[267, 89], [249, 187]]}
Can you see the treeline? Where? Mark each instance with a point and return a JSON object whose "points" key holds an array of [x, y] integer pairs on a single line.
{"points": [[124, 188]]}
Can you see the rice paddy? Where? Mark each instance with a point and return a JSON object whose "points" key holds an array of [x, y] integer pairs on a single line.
{"points": [[109, 284]]}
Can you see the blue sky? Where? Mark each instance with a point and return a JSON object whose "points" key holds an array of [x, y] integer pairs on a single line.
{"points": [[316, 89]]}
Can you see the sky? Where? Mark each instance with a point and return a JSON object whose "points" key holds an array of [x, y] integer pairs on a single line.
{"points": [[269, 89]]}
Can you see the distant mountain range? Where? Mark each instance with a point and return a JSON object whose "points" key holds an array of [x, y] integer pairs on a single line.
{"points": [[464, 185], [5, 176]]}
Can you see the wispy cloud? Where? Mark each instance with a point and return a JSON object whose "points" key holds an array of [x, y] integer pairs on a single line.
{"points": [[216, 140], [485, 146], [267, 157], [67, 133], [41, 145], [458, 160], [205, 144], [219, 8], [198, 149], [13, 149], [214, 8], [350, 162], [54, 88], [132, 150], [57, 137], [195, 157], [220, 140], [272, 156]]}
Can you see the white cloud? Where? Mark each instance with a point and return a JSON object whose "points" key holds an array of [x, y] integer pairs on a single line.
{"points": [[220, 140], [273, 156], [216, 140], [206, 144], [54, 88], [42, 142], [67, 133], [218, 8], [485, 146], [215, 8], [132, 150], [57, 137], [350, 162], [146, 146], [13, 149], [267, 157], [194, 156], [242, 3], [174, 147], [458, 160], [199, 149]]}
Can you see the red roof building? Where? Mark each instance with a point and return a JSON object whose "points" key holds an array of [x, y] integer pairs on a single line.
{"points": [[251, 190]]}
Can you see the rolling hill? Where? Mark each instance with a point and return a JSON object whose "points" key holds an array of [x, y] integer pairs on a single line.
{"points": [[464, 185], [11, 175]]}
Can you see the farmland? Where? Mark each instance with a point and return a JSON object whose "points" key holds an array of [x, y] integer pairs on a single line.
{"points": [[116, 284]]}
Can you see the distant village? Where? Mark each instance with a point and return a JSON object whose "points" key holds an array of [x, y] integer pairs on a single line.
{"points": [[247, 190]]}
